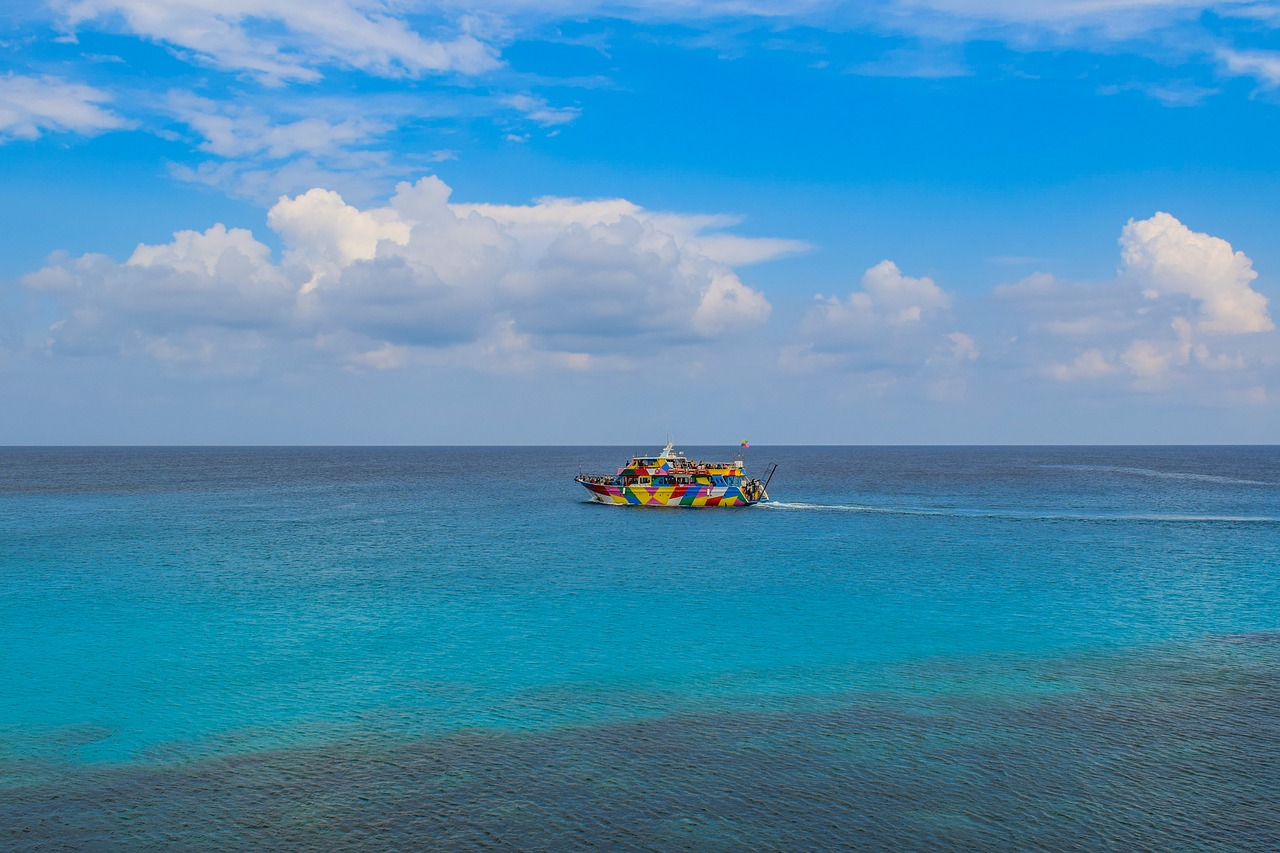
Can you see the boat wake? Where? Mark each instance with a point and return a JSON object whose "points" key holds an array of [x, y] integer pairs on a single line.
{"points": [[1165, 475], [1015, 515]]}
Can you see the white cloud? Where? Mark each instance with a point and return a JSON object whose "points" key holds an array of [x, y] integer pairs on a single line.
{"points": [[1261, 64], [1168, 259], [208, 351], [268, 144], [901, 298], [1173, 93], [354, 175], [385, 357], [1090, 19], [963, 347], [631, 277], [1151, 360], [1112, 16], [1179, 300], [195, 265], [326, 235], [1072, 311], [233, 131], [221, 279], [204, 254], [1035, 284], [30, 106], [543, 221], [897, 329], [933, 63], [1058, 11], [281, 40], [1090, 364], [887, 298], [1220, 361], [729, 305], [539, 111], [556, 283]]}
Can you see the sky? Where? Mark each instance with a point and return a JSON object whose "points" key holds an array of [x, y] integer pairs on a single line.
{"points": [[575, 222]]}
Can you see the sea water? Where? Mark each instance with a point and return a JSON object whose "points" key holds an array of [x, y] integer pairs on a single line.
{"points": [[449, 648]]}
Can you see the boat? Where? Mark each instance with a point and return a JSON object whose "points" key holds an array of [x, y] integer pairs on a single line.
{"points": [[669, 479]]}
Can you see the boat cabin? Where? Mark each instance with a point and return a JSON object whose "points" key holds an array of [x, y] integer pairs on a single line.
{"points": [[673, 469]]}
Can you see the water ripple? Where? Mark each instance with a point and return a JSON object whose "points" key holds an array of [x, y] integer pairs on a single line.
{"points": [[1176, 748]]}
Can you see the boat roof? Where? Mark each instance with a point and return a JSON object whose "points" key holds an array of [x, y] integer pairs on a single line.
{"points": [[670, 454]]}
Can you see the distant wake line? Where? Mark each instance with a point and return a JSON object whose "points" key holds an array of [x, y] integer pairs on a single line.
{"points": [[1020, 516], [1166, 475]]}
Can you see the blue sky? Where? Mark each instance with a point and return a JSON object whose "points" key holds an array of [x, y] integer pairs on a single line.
{"points": [[919, 221]]}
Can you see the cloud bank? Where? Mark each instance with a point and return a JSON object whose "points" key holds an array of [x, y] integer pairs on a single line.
{"points": [[568, 283], [377, 287], [1181, 315]]}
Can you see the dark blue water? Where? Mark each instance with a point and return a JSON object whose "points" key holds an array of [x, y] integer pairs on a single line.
{"points": [[447, 648]]}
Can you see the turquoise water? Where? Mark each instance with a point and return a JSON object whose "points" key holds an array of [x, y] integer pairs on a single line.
{"points": [[926, 648]]}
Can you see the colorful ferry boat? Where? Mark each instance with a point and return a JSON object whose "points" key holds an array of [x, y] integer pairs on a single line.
{"points": [[669, 479]]}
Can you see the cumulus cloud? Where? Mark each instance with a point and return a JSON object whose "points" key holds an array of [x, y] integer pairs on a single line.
{"points": [[1181, 309], [573, 284], [896, 327], [887, 299], [221, 278], [30, 106], [1168, 259], [279, 41], [326, 235], [899, 298]]}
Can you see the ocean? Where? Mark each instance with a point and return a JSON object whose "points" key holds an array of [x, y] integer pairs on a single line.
{"points": [[910, 648]]}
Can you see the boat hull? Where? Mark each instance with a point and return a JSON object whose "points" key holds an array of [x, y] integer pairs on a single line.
{"points": [[686, 495]]}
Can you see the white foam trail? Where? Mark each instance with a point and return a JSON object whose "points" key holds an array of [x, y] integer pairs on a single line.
{"points": [[1166, 475], [1023, 516]]}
